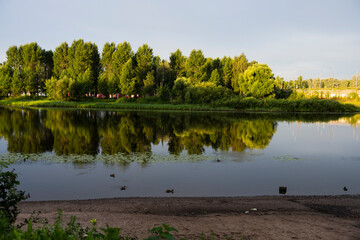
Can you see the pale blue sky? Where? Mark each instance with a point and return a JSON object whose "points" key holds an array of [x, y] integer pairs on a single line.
{"points": [[304, 37]]}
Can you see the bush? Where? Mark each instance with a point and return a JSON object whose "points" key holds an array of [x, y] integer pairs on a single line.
{"points": [[206, 93], [59, 89], [9, 195], [178, 91]]}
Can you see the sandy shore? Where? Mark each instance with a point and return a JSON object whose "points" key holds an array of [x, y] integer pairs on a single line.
{"points": [[277, 217]]}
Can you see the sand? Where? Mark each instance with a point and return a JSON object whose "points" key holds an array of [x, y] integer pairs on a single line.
{"points": [[276, 217]]}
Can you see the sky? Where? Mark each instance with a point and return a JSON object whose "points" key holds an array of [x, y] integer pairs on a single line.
{"points": [[312, 38]]}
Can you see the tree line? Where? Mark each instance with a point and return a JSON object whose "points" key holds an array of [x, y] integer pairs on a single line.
{"points": [[325, 83], [76, 70]]}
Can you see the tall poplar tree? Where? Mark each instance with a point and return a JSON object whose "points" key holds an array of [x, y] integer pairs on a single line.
{"points": [[177, 63], [240, 64], [227, 71], [128, 79], [105, 84], [215, 78], [13, 55], [205, 70], [164, 74], [61, 60], [144, 64], [193, 65], [84, 66], [31, 56], [120, 57], [47, 64], [5, 80]]}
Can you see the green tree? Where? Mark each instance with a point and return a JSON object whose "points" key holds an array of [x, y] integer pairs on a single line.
{"points": [[144, 64], [47, 65], [279, 82], [17, 86], [120, 57], [61, 60], [50, 86], [179, 89], [59, 89], [227, 71], [103, 84], [215, 78], [31, 55], [128, 79], [157, 67], [177, 63], [206, 70], [107, 83], [5, 80], [63, 88], [193, 65], [258, 81], [299, 82], [164, 74], [240, 64], [149, 84], [13, 55], [84, 66]]}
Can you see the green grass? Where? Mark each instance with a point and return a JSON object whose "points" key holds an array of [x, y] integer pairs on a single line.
{"points": [[231, 104], [106, 104]]}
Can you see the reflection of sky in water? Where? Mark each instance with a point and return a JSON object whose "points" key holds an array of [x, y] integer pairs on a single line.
{"points": [[315, 140], [308, 158]]}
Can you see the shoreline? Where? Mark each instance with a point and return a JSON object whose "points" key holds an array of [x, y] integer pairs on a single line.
{"points": [[275, 217], [182, 110], [277, 106]]}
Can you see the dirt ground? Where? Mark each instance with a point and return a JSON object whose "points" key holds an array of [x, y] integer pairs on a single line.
{"points": [[276, 217]]}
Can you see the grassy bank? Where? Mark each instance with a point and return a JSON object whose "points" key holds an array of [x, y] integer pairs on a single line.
{"points": [[103, 104], [231, 104]]}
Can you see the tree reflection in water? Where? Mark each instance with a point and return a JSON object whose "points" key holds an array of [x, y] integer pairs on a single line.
{"points": [[87, 132]]}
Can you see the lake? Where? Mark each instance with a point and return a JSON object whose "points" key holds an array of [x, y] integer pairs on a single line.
{"points": [[81, 154]]}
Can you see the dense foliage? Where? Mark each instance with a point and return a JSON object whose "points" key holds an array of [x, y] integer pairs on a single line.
{"points": [[77, 70]]}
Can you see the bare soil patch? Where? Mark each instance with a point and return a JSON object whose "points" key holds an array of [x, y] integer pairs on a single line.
{"points": [[275, 217]]}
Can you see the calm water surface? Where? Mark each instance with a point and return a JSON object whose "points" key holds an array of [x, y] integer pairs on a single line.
{"points": [[70, 154]]}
